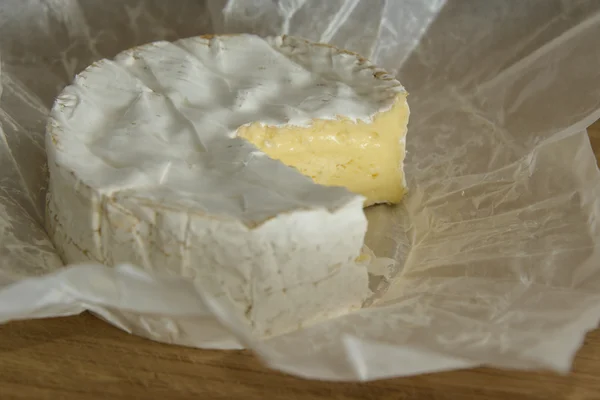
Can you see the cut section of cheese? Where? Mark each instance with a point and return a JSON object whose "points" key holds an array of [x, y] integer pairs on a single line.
{"points": [[159, 158], [365, 157]]}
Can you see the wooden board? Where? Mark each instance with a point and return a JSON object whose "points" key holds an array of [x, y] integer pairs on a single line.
{"points": [[83, 358]]}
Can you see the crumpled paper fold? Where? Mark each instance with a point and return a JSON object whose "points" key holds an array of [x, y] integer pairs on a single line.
{"points": [[497, 244]]}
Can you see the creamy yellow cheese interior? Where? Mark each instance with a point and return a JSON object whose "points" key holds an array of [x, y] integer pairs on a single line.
{"points": [[364, 157]]}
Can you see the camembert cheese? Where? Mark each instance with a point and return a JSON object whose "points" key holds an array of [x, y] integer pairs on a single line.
{"points": [[242, 163]]}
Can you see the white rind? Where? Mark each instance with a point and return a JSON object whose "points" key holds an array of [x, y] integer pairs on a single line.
{"points": [[145, 168]]}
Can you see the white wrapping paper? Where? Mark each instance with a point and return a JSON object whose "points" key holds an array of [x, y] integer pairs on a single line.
{"points": [[497, 245]]}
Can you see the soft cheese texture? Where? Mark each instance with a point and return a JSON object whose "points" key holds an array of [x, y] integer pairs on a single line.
{"points": [[146, 167], [365, 157], [346, 149]]}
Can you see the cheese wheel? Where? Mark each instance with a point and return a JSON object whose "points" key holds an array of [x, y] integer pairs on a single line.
{"points": [[239, 162]]}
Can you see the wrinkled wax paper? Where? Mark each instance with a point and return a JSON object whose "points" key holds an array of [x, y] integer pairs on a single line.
{"points": [[496, 245]]}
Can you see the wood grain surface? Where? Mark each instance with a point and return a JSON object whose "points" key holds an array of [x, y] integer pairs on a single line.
{"points": [[83, 358]]}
